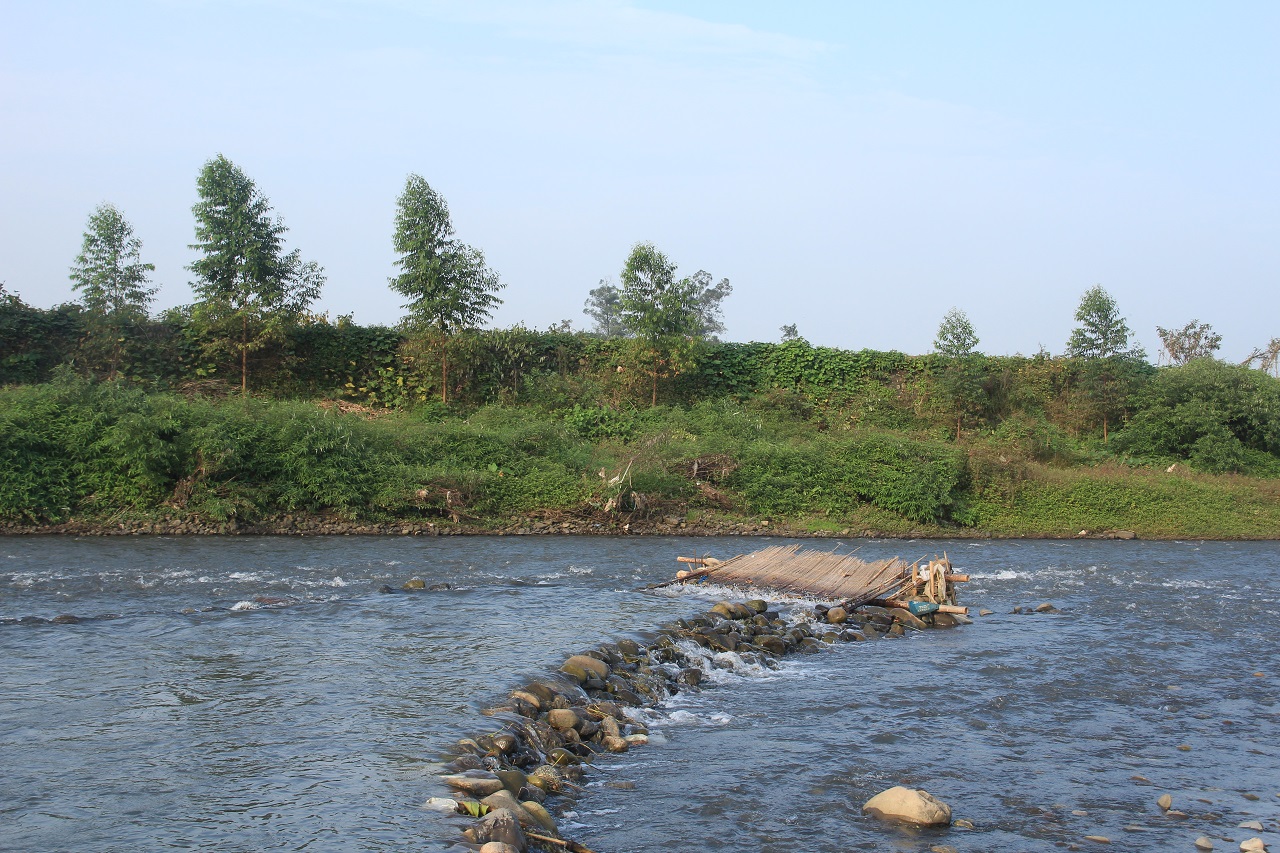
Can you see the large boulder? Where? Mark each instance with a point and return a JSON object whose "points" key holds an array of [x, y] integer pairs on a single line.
{"points": [[907, 805], [582, 667], [501, 826]]}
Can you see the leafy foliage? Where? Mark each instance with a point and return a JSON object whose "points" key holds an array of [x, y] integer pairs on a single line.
{"points": [[447, 282], [248, 289], [1102, 332], [604, 307], [1218, 416], [956, 337]]}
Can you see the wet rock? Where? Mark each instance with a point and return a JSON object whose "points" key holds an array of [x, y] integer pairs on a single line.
{"points": [[1165, 802], [985, 612], [837, 616], [414, 584], [1098, 839], [691, 676], [1203, 843], [386, 590], [906, 805], [908, 619], [477, 783], [963, 823], [499, 826], [1124, 534], [65, 619], [505, 800], [613, 743], [723, 608], [542, 816], [587, 666], [1046, 607], [1256, 826], [498, 847], [542, 693], [1253, 845], [943, 848], [504, 743], [561, 757], [756, 605], [512, 780], [564, 718]]}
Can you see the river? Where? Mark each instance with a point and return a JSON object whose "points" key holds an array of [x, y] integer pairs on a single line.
{"points": [[260, 694]]}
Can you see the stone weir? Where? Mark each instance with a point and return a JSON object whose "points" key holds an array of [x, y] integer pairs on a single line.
{"points": [[512, 781]]}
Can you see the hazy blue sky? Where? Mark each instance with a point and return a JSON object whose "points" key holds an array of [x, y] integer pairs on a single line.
{"points": [[854, 168]]}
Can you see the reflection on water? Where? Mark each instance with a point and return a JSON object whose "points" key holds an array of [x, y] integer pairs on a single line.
{"points": [[260, 694]]}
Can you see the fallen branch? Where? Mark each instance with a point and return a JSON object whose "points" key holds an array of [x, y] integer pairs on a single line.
{"points": [[571, 846]]}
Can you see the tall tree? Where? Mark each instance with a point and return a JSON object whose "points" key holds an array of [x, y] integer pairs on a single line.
{"points": [[604, 307], [248, 289], [961, 383], [1110, 359], [447, 283], [668, 317], [1194, 340], [956, 337], [708, 303], [113, 282], [1102, 332]]}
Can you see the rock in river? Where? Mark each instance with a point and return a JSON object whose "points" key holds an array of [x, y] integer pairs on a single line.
{"points": [[906, 805]]}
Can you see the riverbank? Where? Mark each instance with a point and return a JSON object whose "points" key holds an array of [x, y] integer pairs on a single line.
{"points": [[89, 459]]}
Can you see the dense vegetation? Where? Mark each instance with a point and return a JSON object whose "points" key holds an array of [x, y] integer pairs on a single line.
{"points": [[813, 439], [245, 407]]}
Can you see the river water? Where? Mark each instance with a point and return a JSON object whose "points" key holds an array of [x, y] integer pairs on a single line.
{"points": [[183, 712]]}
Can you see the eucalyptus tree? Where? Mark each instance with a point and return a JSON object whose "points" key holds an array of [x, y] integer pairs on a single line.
{"points": [[957, 343], [604, 307], [1111, 361], [113, 282], [248, 289], [449, 286], [668, 317]]}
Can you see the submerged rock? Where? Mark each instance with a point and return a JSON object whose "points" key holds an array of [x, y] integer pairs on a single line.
{"points": [[906, 805]]}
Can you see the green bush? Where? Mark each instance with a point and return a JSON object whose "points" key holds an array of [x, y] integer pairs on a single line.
{"points": [[919, 480]]}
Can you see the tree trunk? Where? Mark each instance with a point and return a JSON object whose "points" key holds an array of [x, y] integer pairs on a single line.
{"points": [[444, 375], [1104, 430], [244, 355]]}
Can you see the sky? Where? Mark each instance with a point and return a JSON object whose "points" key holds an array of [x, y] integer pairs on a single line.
{"points": [[853, 168]]}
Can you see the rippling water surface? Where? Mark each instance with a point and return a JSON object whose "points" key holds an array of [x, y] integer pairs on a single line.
{"points": [[259, 694]]}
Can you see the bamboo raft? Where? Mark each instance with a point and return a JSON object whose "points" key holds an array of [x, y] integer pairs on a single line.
{"points": [[790, 570]]}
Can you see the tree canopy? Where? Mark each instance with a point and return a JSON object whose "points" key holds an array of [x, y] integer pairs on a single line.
{"points": [[668, 317], [109, 272], [247, 287], [956, 337], [447, 283], [604, 307], [1102, 332], [1194, 340]]}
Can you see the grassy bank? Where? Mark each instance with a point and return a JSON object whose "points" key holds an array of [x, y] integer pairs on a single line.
{"points": [[87, 457]]}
